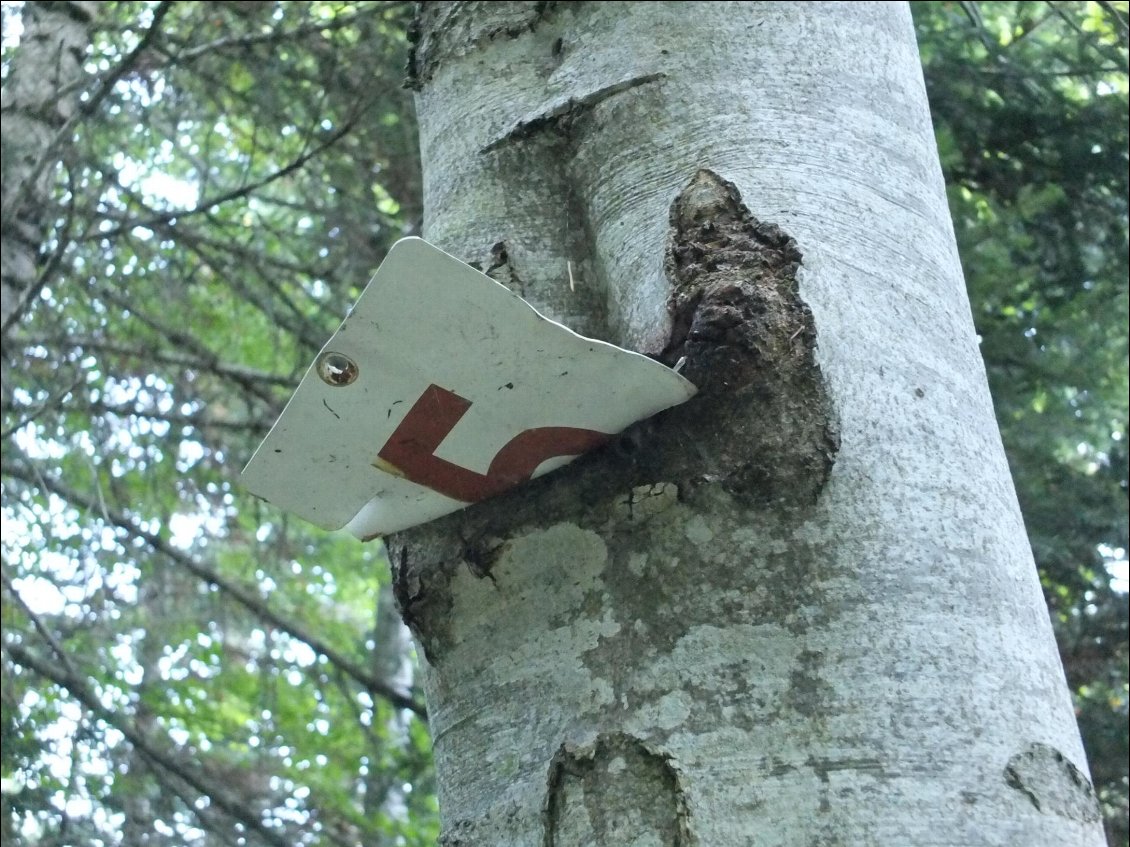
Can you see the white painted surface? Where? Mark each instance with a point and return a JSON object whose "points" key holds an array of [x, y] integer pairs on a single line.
{"points": [[426, 319]]}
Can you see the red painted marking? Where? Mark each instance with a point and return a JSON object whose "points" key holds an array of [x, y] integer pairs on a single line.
{"points": [[411, 449]]}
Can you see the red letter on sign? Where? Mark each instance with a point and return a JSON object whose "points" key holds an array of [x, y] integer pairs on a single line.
{"points": [[411, 449]]}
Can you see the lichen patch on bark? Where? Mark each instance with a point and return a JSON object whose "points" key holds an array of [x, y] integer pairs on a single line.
{"points": [[763, 419], [449, 587], [617, 790]]}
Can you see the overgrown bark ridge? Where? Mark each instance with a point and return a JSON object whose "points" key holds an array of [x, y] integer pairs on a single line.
{"points": [[764, 420]]}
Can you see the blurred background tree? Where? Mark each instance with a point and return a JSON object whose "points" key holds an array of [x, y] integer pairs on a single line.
{"points": [[1030, 108], [204, 192]]}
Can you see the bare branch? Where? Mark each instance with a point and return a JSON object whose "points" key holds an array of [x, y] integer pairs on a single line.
{"points": [[47, 405], [1120, 23], [243, 595], [50, 153], [36, 621], [28, 294], [277, 36], [1088, 39], [235, 193], [201, 420], [227, 370], [184, 341], [80, 690]]}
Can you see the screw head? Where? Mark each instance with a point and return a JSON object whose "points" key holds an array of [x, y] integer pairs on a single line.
{"points": [[337, 369]]}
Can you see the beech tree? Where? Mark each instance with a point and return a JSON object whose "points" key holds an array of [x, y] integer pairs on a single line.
{"points": [[802, 607]]}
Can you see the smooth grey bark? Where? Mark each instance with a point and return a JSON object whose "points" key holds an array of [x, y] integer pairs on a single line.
{"points": [[693, 643], [38, 98]]}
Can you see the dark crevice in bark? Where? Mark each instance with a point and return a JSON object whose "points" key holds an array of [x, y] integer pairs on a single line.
{"points": [[594, 792], [423, 604], [423, 567], [499, 266], [578, 297]]}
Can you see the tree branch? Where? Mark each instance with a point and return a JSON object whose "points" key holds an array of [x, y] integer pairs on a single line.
{"points": [[50, 153], [226, 370], [183, 340], [277, 36], [37, 622], [79, 689], [199, 421], [1121, 27], [52, 402], [235, 193], [48, 269], [243, 595]]}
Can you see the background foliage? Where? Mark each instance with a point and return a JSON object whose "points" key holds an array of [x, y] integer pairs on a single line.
{"points": [[1030, 107], [182, 665]]}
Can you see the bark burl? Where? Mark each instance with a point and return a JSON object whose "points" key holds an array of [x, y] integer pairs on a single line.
{"points": [[748, 342]]}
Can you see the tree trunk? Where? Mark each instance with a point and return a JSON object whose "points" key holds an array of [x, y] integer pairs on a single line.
{"points": [[38, 98], [800, 609]]}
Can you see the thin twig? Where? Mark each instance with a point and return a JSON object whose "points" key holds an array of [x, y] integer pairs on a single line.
{"points": [[49, 267], [1121, 26], [274, 36], [220, 796], [236, 372], [1085, 38], [235, 193], [36, 621], [183, 340], [243, 595], [50, 153], [50, 403]]}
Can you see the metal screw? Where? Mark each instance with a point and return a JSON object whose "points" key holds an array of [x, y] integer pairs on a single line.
{"points": [[337, 369]]}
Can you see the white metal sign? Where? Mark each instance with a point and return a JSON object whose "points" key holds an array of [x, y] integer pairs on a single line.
{"points": [[442, 388]]}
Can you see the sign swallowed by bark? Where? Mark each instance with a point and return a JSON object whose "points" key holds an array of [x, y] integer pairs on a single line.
{"points": [[442, 388]]}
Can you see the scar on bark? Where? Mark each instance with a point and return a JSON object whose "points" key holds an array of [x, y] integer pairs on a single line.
{"points": [[763, 421], [559, 118], [499, 266], [1051, 783], [592, 789], [422, 595], [439, 31]]}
